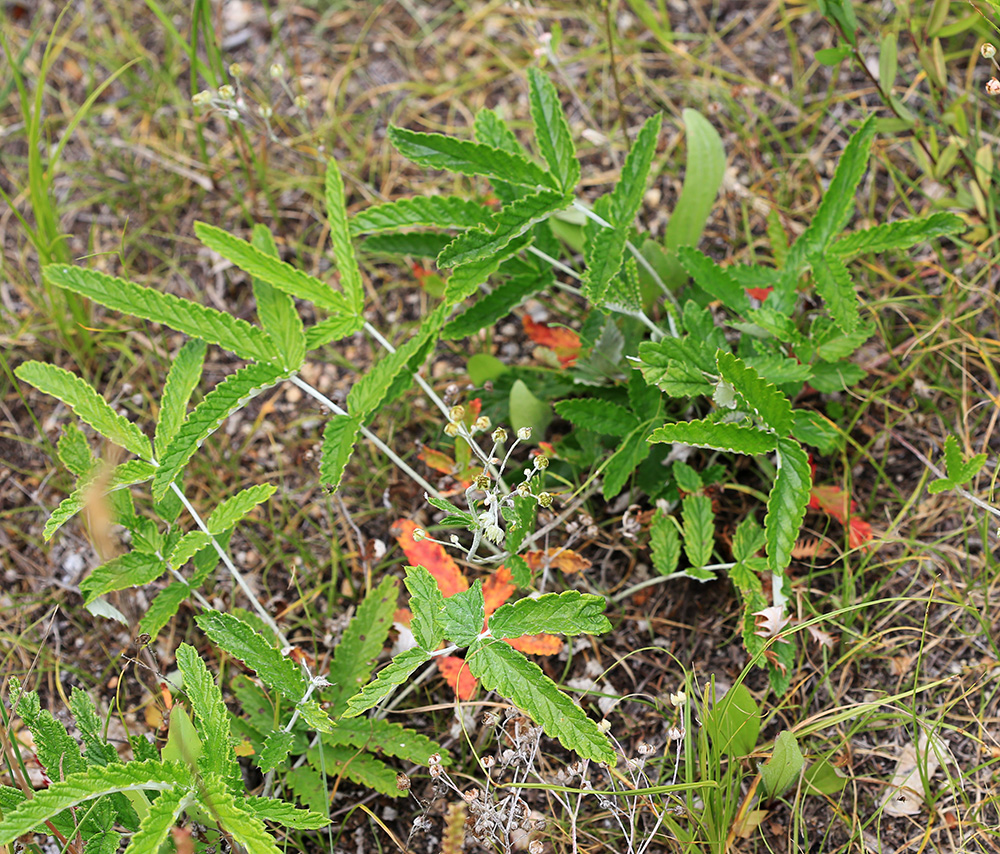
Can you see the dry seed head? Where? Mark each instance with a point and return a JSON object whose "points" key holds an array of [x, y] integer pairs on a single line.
{"points": [[470, 795], [988, 51], [644, 748], [483, 422], [402, 782], [487, 762], [434, 759], [457, 413], [993, 87], [436, 771], [675, 733]]}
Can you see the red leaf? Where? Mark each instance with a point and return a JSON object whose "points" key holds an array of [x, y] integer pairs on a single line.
{"points": [[438, 460], [838, 504], [497, 589], [432, 557], [760, 293], [565, 343], [565, 559], [457, 674], [537, 644]]}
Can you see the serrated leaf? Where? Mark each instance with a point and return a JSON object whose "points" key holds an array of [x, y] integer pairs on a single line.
{"points": [[386, 737], [503, 669], [245, 827], [466, 279], [426, 603], [519, 570], [722, 437], [74, 452], [283, 813], [626, 198], [604, 255], [216, 327], [552, 133], [898, 235], [132, 569], [811, 428], [274, 271], [389, 677], [714, 280], [463, 615], [163, 607], [687, 478], [438, 211], [959, 471], [524, 511], [748, 540], [598, 415], [423, 244], [669, 375], [228, 396], [156, 825], [567, 613], [624, 461], [340, 237], [786, 503], [233, 510], [494, 306], [182, 379], [362, 642], [315, 716], [699, 529], [255, 651], [468, 158], [88, 405], [360, 768], [783, 766], [211, 718], [57, 753], [766, 401], [187, 547], [510, 222], [834, 285], [332, 329], [665, 543], [276, 309], [703, 174]]}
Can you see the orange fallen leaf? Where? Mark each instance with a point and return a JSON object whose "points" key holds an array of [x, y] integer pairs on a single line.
{"points": [[565, 559], [537, 644], [457, 674], [497, 589], [838, 504], [432, 557], [565, 343]]}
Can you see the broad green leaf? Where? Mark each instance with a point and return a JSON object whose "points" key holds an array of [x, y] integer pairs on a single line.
{"points": [[467, 278], [274, 271], [519, 570], [93, 783], [426, 603], [823, 778], [567, 613], [157, 823], [390, 739], [187, 547], [527, 410], [552, 131], [245, 827], [687, 478], [734, 723], [468, 158], [422, 244], [811, 428], [234, 510], [699, 529], [88, 405], [598, 415], [833, 55], [216, 327], [626, 197], [362, 642], [393, 674], [664, 543], [714, 280], [672, 376], [211, 718], [483, 367], [494, 306], [221, 402], [463, 615], [510, 222], [339, 437], [439, 211], [309, 786], [340, 237], [764, 399], [722, 437], [620, 465], [132, 569], [74, 452], [604, 255], [834, 285], [282, 812], [182, 379], [783, 766], [786, 504], [830, 377], [706, 166], [255, 651], [898, 235], [276, 309], [888, 63], [503, 669], [333, 328]]}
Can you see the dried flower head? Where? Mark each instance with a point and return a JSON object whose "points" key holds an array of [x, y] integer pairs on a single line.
{"points": [[483, 422], [419, 534], [402, 782], [993, 87], [524, 433], [675, 733], [644, 748], [988, 51], [499, 435], [434, 759], [457, 413]]}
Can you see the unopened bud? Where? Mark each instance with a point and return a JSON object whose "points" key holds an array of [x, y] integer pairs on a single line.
{"points": [[988, 51], [545, 499], [419, 535], [604, 726], [457, 413], [203, 98], [524, 433], [483, 422], [233, 115], [499, 435], [277, 70], [226, 91], [451, 429], [301, 102], [265, 111], [541, 462]]}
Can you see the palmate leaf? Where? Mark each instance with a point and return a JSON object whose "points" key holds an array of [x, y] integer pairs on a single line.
{"points": [[228, 810], [88, 405], [157, 823], [395, 673], [216, 327], [552, 133], [233, 510], [211, 718], [510, 222], [713, 279], [426, 603], [722, 437], [958, 470], [339, 437], [786, 503], [699, 531], [468, 158], [363, 639], [568, 613], [274, 271], [766, 401], [340, 237], [834, 285], [466, 279], [437, 211], [228, 396], [898, 235], [604, 255], [494, 306], [182, 379], [276, 309], [282, 812], [601, 416], [503, 669], [131, 569], [704, 171], [333, 328], [391, 739], [93, 783], [74, 451], [255, 651], [626, 197]]}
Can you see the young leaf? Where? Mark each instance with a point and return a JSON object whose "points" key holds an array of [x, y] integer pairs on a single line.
{"points": [[211, 718], [463, 615], [274, 271], [783, 766], [395, 673], [714, 280], [276, 309], [959, 472], [898, 235], [721, 436], [552, 130], [254, 650], [245, 828], [282, 812], [598, 415], [706, 166], [604, 255], [182, 378], [88, 405], [767, 403], [699, 529], [74, 452], [468, 158], [233, 510], [568, 613], [626, 197], [834, 285], [131, 569], [465, 279], [228, 396], [439, 211], [333, 328], [426, 603], [216, 327], [503, 669], [340, 237], [665, 543], [786, 504], [494, 306]]}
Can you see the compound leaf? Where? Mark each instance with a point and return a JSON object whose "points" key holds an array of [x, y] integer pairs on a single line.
{"points": [[714, 280], [552, 131], [766, 401], [567, 613], [722, 437], [132, 569], [786, 504], [466, 278], [339, 437], [898, 235], [834, 285], [601, 416], [386, 737], [490, 308], [340, 237], [604, 255], [626, 197], [244, 826], [182, 378], [395, 673], [332, 329], [276, 309], [438, 211], [283, 813]]}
